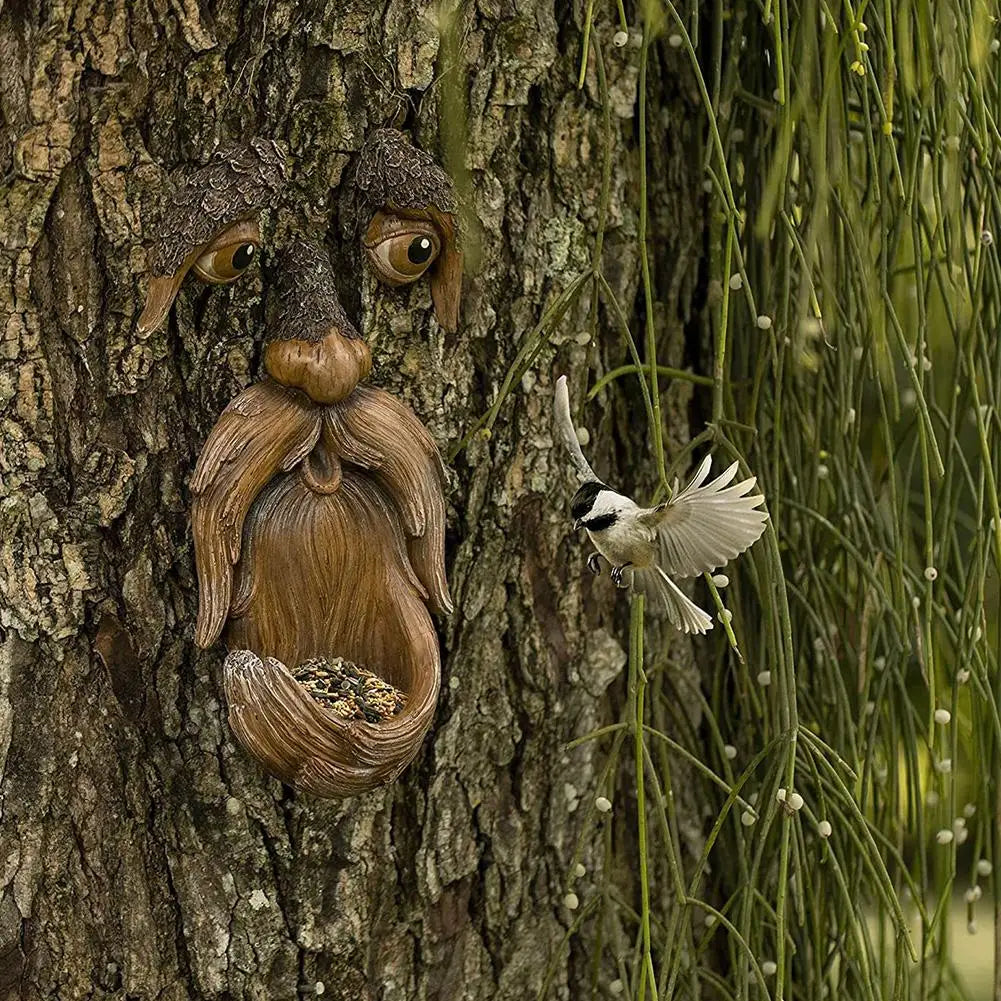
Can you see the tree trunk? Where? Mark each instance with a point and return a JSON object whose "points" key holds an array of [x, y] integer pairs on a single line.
{"points": [[143, 855]]}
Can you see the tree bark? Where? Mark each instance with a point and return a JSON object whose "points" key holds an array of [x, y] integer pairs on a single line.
{"points": [[143, 855]]}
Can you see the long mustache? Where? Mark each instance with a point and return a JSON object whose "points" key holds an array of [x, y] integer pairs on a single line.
{"points": [[265, 430], [269, 429]]}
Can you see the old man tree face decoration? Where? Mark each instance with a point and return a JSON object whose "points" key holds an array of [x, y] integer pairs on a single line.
{"points": [[404, 206], [318, 510], [319, 524], [210, 225]]}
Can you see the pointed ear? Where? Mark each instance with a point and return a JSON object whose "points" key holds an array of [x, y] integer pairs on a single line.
{"points": [[160, 297], [446, 273]]}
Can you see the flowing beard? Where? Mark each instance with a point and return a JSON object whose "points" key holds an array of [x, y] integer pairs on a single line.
{"points": [[319, 532]]}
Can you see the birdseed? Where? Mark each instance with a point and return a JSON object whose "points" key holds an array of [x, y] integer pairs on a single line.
{"points": [[349, 691]]}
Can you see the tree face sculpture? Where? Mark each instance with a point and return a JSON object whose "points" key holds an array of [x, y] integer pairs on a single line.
{"points": [[210, 224], [404, 206], [319, 525]]}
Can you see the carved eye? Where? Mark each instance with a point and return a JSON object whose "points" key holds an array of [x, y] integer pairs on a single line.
{"points": [[227, 263], [403, 257]]}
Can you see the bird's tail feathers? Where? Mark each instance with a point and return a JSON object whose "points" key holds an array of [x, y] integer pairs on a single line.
{"points": [[664, 593]]}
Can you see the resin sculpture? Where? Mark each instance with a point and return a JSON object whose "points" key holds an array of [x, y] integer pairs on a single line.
{"points": [[319, 524]]}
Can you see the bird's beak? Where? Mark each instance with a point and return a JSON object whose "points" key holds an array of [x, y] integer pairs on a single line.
{"points": [[578, 524]]}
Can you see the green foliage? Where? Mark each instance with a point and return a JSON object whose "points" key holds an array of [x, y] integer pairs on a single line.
{"points": [[851, 711]]}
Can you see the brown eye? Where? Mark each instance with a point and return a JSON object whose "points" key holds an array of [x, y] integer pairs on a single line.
{"points": [[403, 256], [227, 263]]}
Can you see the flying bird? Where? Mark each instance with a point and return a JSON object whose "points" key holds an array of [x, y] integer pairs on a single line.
{"points": [[699, 529]]}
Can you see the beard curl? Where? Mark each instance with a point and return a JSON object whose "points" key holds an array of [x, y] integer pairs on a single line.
{"points": [[319, 532]]}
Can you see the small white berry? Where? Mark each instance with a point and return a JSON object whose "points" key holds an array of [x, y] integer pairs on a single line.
{"points": [[620, 38], [579, 870], [769, 968], [959, 823], [973, 894], [931, 799], [823, 472], [709, 920], [857, 352], [944, 836], [725, 616], [764, 678], [942, 716], [720, 580], [729, 752], [795, 801], [707, 186], [602, 804], [930, 574], [986, 237], [764, 322], [963, 675], [583, 436], [995, 45], [781, 795], [675, 41], [984, 868], [824, 829], [747, 818], [916, 601], [969, 810], [616, 987], [869, 708], [944, 766], [319, 987], [570, 902], [961, 835], [736, 281], [776, 95]]}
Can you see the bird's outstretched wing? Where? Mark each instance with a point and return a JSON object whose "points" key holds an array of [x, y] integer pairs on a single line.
{"points": [[702, 527]]}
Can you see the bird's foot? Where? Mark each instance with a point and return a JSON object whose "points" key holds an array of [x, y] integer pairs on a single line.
{"points": [[594, 563], [616, 574]]}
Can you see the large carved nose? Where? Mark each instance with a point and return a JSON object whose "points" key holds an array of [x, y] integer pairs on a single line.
{"points": [[326, 370]]}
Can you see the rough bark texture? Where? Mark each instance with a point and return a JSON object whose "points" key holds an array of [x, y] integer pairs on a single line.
{"points": [[142, 854]]}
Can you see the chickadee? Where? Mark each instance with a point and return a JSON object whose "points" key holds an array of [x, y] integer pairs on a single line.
{"points": [[697, 530]]}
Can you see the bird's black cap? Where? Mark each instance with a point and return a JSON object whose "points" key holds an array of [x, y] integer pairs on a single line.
{"points": [[583, 500]]}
